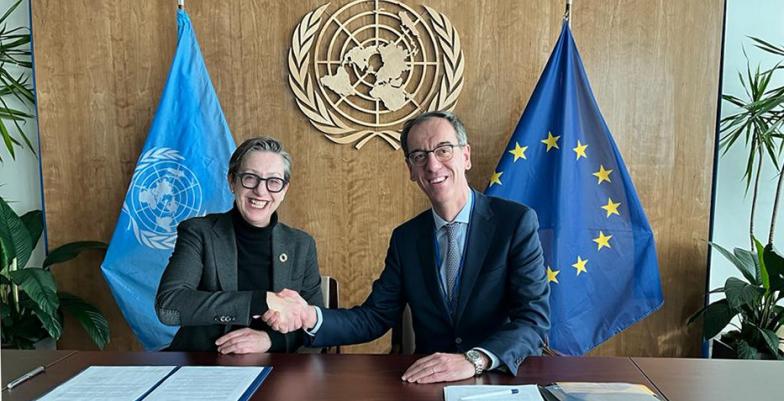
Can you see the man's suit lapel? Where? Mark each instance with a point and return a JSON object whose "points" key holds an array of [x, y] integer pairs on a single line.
{"points": [[427, 261], [281, 265], [225, 255], [480, 230]]}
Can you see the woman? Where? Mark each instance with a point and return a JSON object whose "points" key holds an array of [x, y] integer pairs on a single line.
{"points": [[223, 265]]}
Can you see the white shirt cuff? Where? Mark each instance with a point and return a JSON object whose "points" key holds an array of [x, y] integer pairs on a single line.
{"points": [[319, 320], [494, 361]]}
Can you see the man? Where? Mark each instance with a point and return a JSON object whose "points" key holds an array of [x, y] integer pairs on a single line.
{"points": [[470, 268]]}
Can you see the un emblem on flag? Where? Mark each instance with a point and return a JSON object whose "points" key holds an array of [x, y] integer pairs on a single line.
{"points": [[372, 65], [163, 192]]}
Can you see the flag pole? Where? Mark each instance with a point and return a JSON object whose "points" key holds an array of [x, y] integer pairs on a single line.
{"points": [[181, 4], [568, 12]]}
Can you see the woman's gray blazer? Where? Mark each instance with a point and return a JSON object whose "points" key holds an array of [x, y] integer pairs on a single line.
{"points": [[198, 290]]}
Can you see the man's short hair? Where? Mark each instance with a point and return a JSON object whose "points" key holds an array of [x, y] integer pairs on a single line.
{"points": [[460, 131], [259, 144]]}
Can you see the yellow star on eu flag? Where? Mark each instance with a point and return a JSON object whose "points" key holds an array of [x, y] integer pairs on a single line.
{"points": [[602, 174], [496, 178], [580, 150], [518, 152], [580, 265], [551, 275], [611, 207], [602, 241], [551, 141]]}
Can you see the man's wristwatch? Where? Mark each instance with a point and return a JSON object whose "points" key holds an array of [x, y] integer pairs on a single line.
{"points": [[475, 357]]}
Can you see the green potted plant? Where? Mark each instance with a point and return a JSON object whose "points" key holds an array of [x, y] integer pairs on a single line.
{"points": [[754, 297], [15, 83], [32, 309]]}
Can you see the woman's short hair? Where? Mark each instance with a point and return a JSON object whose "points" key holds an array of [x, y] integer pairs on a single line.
{"points": [[259, 144]]}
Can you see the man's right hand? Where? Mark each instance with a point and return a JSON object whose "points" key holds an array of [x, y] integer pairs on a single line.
{"points": [[288, 312]]}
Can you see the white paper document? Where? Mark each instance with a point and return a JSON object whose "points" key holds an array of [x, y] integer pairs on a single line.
{"points": [[214, 383], [131, 383], [109, 383], [527, 392]]}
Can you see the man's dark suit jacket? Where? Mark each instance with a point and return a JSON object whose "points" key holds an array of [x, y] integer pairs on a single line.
{"points": [[503, 302], [198, 290]]}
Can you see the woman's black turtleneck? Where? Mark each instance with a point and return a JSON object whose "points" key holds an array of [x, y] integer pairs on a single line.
{"points": [[254, 270]]}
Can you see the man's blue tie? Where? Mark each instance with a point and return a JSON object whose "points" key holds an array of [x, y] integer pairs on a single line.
{"points": [[452, 263]]}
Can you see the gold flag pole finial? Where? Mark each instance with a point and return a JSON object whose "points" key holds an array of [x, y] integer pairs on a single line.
{"points": [[568, 12], [181, 4]]}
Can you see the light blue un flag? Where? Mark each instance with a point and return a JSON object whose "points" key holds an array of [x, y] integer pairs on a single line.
{"points": [[599, 250], [181, 173]]}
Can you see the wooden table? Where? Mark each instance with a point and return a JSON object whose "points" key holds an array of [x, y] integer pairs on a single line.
{"points": [[680, 379], [377, 377], [15, 363]]}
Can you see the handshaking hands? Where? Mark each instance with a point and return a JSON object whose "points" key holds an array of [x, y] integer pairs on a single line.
{"points": [[288, 312]]}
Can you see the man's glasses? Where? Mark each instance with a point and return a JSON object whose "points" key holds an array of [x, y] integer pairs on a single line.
{"points": [[443, 153], [251, 181]]}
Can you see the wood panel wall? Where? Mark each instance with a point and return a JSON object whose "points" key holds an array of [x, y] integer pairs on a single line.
{"points": [[100, 67]]}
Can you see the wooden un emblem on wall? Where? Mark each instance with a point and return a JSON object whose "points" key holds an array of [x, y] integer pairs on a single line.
{"points": [[372, 65]]}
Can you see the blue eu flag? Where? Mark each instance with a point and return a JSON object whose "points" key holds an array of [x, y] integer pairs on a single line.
{"points": [[599, 250], [181, 173]]}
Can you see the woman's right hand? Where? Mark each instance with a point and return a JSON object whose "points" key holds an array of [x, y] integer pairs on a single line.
{"points": [[244, 341]]}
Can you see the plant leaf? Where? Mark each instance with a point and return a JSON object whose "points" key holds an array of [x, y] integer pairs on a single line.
{"points": [[770, 339], [71, 250], [768, 47], [740, 293], [9, 11], [21, 244], [746, 350], [716, 317], [34, 222], [750, 265], [774, 264], [776, 317], [7, 249], [39, 285], [742, 260], [5, 312], [91, 319], [763, 270], [50, 322]]}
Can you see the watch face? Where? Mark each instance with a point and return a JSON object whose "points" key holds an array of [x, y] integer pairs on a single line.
{"points": [[475, 358]]}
